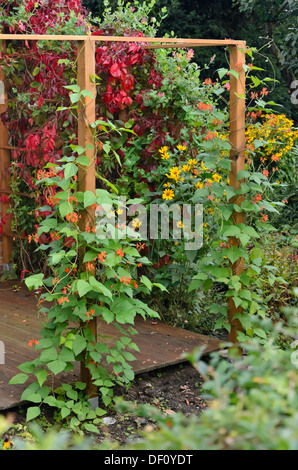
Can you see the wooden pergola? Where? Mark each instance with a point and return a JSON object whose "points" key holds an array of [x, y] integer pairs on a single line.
{"points": [[87, 115]]}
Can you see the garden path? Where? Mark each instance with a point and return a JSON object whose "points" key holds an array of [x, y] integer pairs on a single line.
{"points": [[160, 345]]}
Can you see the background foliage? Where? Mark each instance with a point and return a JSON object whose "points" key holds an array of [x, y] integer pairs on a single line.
{"points": [[270, 26]]}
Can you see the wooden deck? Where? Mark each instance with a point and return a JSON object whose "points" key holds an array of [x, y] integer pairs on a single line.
{"points": [[160, 345]]}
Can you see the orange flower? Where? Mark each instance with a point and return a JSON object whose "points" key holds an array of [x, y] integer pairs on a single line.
{"points": [[52, 200], [73, 200], [72, 217], [33, 237], [238, 66], [101, 256], [92, 312], [41, 174], [125, 280], [88, 229], [210, 135], [140, 246], [205, 107], [257, 198], [120, 252], [55, 236], [90, 266]]}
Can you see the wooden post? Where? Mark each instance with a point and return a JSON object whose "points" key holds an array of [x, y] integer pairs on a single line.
{"points": [[237, 155], [7, 244], [86, 175]]}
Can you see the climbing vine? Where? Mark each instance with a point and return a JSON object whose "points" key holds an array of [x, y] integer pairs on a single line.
{"points": [[103, 285]]}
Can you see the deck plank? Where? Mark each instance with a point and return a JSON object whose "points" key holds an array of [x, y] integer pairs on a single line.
{"points": [[160, 345]]}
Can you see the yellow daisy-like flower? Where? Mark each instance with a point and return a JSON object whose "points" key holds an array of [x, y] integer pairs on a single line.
{"points": [[185, 168], [165, 156], [181, 147], [167, 185], [164, 153], [180, 224], [192, 161], [277, 134], [119, 211], [203, 166], [174, 173], [168, 194], [216, 177], [199, 185], [6, 445], [136, 223]]}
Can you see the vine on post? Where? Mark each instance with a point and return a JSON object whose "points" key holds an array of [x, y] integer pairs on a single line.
{"points": [[104, 286]]}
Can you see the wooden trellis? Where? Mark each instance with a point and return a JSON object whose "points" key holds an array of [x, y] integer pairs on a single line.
{"points": [[87, 178]]}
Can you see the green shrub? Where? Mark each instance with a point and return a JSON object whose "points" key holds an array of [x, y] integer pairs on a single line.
{"points": [[252, 401]]}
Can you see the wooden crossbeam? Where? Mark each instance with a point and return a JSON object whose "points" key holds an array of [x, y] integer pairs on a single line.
{"points": [[183, 45], [184, 42], [9, 147], [9, 191]]}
